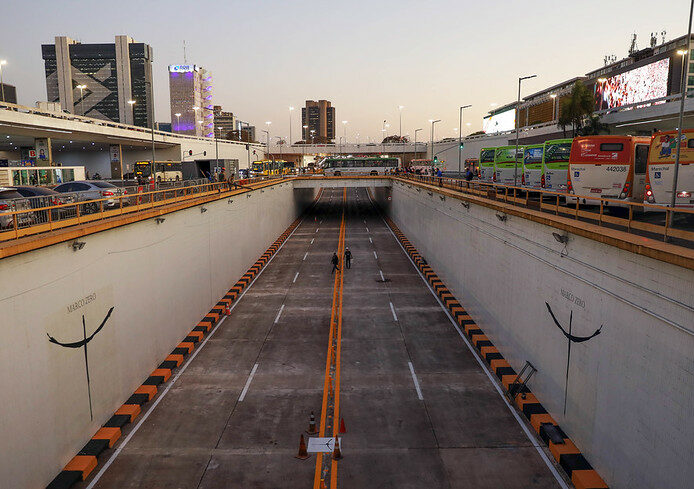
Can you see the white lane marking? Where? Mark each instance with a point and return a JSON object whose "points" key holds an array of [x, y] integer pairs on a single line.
{"points": [[312, 240], [183, 368], [305, 256], [382, 278], [316, 229], [367, 230], [533, 439], [375, 255], [295, 276], [277, 318], [392, 309], [370, 240], [416, 382], [248, 383]]}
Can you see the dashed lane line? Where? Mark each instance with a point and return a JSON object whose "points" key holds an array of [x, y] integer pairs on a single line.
{"points": [[250, 378], [295, 277], [392, 309], [414, 379], [277, 318]]}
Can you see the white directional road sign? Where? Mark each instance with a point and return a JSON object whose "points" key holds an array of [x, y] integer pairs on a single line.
{"points": [[324, 445]]}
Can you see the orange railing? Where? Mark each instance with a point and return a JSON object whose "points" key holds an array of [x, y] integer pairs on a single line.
{"points": [[21, 223], [670, 224]]}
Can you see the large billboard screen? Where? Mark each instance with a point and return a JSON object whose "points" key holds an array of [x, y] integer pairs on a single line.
{"points": [[502, 121], [632, 87]]}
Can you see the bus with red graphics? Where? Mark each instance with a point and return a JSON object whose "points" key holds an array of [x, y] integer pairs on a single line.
{"points": [[608, 167], [661, 170]]}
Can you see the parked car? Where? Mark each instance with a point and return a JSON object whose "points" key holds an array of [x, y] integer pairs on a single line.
{"points": [[39, 197], [11, 200], [86, 190]]}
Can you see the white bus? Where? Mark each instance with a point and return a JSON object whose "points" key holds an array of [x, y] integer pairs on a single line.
{"points": [[359, 166], [165, 171], [612, 167], [661, 170]]}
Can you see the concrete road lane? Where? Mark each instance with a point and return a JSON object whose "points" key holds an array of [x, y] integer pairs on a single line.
{"points": [[459, 434]]}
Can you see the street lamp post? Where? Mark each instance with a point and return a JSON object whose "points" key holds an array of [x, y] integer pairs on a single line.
{"points": [[2, 84], [82, 87], [683, 96], [400, 107], [460, 137], [515, 166], [303, 146], [178, 121], [432, 143], [267, 123], [415, 143], [290, 125]]}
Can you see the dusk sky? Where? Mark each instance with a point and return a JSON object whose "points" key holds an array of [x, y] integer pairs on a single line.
{"points": [[366, 57]]}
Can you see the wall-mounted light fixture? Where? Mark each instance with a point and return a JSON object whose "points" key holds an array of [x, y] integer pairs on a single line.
{"points": [[159, 220], [465, 204], [230, 201], [501, 217], [203, 210], [561, 238], [78, 245]]}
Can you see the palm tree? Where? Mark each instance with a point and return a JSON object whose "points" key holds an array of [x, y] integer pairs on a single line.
{"points": [[576, 107], [592, 126]]}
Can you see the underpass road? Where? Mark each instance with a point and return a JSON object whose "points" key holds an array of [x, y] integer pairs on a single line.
{"points": [[395, 336]]}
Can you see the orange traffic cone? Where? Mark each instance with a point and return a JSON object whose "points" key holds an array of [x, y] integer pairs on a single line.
{"points": [[337, 454], [312, 425], [303, 454], [342, 426]]}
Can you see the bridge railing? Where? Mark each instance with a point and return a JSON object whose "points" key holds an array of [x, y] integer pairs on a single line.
{"points": [[675, 225], [52, 213]]}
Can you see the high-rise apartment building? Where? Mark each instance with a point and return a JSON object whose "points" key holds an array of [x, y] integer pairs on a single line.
{"points": [[192, 110], [109, 76], [225, 124], [320, 119]]}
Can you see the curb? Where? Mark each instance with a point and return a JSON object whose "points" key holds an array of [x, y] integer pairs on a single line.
{"points": [[86, 460], [564, 451]]}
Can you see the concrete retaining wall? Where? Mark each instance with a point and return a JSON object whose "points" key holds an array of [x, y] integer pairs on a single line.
{"points": [[631, 388], [159, 278]]}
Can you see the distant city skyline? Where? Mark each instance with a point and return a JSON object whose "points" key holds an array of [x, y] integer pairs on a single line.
{"points": [[368, 60]]}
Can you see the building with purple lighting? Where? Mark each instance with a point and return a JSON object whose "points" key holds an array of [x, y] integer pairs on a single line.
{"points": [[190, 89]]}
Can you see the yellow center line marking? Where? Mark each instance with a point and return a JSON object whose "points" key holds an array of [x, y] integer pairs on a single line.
{"points": [[330, 410]]}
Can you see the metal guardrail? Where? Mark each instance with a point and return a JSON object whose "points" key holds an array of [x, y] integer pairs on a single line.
{"points": [[671, 224], [42, 218]]}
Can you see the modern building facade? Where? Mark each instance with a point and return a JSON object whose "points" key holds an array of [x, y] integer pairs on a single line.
{"points": [[320, 119], [225, 124], [8, 93], [112, 77], [192, 109]]}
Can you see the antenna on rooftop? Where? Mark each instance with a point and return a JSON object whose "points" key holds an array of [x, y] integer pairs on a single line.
{"points": [[633, 47]]}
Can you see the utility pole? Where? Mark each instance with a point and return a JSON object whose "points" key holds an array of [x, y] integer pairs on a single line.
{"points": [[515, 158], [460, 137], [683, 96], [432, 144]]}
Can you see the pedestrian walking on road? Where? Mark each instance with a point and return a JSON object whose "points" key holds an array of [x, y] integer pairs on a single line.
{"points": [[335, 260], [348, 258]]}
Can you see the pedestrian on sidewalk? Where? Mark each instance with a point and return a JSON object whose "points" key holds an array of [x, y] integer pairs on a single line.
{"points": [[348, 258], [335, 260]]}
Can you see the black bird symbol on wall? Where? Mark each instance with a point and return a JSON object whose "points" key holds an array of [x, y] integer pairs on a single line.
{"points": [[83, 343], [571, 339]]}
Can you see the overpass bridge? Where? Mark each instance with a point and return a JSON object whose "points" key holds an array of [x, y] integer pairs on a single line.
{"points": [[106, 147], [207, 330]]}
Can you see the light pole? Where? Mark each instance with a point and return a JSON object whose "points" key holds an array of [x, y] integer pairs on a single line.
{"points": [[400, 107], [267, 123], [683, 96], [515, 166], [303, 146], [290, 124], [82, 87], [554, 106], [460, 137], [178, 121], [432, 143], [313, 136], [2, 84], [267, 144], [415, 143]]}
